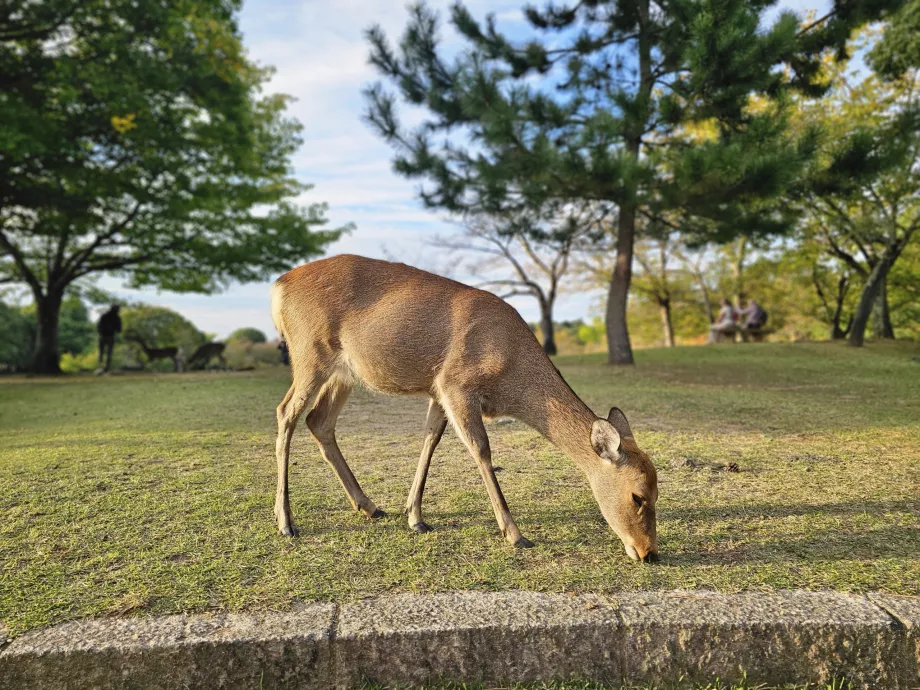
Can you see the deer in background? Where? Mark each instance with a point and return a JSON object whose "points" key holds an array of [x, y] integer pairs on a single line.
{"points": [[205, 353], [404, 331], [155, 353]]}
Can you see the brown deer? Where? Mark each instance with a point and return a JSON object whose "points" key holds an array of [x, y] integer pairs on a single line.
{"points": [[403, 331], [201, 356], [155, 353]]}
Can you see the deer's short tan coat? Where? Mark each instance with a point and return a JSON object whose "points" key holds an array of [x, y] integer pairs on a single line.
{"points": [[404, 331]]}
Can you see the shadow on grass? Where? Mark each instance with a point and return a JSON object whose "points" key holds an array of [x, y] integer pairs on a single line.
{"points": [[783, 510], [894, 541], [830, 547]]}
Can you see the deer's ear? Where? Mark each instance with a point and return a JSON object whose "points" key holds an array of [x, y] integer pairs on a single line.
{"points": [[618, 420], [605, 440]]}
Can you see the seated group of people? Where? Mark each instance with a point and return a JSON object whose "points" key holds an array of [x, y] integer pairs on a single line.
{"points": [[752, 318]]}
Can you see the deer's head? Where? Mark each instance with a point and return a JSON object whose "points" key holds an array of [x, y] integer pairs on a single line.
{"points": [[625, 485]]}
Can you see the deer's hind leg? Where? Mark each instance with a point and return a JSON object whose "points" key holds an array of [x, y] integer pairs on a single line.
{"points": [[321, 422], [434, 429], [288, 412]]}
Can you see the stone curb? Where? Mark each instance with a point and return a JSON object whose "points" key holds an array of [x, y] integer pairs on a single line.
{"points": [[492, 638]]}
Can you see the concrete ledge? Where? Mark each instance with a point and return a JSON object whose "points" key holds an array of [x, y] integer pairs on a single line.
{"points": [[773, 638], [493, 638], [476, 637], [220, 651], [906, 610]]}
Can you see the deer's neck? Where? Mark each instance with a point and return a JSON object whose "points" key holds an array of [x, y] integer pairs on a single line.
{"points": [[555, 411]]}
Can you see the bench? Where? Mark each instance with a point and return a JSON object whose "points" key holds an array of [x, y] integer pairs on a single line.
{"points": [[748, 335]]}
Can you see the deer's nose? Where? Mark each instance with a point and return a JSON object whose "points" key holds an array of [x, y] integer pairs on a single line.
{"points": [[650, 557]]}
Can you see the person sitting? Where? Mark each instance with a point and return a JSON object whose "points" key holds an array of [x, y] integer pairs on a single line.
{"points": [[755, 317], [725, 321], [109, 324]]}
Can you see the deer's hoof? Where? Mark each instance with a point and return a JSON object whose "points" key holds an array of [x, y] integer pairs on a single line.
{"points": [[523, 543], [289, 531], [377, 514], [420, 527]]}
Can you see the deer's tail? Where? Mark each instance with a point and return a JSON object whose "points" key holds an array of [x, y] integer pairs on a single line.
{"points": [[277, 299]]}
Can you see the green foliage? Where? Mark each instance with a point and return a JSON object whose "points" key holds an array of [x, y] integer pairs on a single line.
{"points": [[141, 144], [245, 355], [592, 333], [247, 335], [159, 327], [577, 132], [76, 332], [860, 193], [904, 293], [16, 343], [899, 49], [86, 361]]}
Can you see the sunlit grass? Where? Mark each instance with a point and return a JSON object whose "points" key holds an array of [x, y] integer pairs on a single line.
{"points": [[151, 494]]}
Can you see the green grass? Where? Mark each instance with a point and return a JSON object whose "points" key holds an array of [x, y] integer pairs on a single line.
{"points": [[153, 494]]}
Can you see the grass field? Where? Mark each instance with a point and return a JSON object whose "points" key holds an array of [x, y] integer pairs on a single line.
{"points": [[152, 494]]}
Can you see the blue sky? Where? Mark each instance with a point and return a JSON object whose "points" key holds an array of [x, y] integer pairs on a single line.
{"points": [[318, 49]]}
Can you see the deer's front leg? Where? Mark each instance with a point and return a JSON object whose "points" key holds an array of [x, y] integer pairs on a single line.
{"points": [[466, 416], [435, 424]]}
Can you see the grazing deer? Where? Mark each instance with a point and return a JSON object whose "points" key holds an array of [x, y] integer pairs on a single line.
{"points": [[403, 331], [204, 354], [155, 353]]}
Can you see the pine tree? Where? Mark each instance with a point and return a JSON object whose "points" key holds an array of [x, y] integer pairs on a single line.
{"points": [[600, 105]]}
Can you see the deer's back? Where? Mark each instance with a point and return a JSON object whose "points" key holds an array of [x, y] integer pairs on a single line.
{"points": [[396, 327]]}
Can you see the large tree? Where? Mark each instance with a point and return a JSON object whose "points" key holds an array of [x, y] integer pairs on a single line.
{"points": [[594, 105], [862, 193], [136, 141]]}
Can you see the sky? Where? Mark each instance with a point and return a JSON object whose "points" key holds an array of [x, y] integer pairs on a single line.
{"points": [[320, 55]]}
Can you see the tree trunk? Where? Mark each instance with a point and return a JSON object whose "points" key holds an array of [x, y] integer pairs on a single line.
{"points": [[838, 333], [619, 351], [738, 271], [546, 326], [46, 359], [707, 303], [870, 294], [887, 326], [881, 314], [665, 308]]}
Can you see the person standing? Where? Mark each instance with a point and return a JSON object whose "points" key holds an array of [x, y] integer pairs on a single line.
{"points": [[285, 355], [109, 325]]}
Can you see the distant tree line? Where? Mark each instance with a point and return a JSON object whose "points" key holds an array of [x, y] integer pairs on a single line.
{"points": [[142, 325]]}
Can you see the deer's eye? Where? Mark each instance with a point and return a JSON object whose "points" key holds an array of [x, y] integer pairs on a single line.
{"points": [[638, 500]]}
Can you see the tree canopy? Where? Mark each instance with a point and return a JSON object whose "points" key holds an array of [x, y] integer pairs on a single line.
{"points": [[861, 193], [599, 103], [137, 141], [247, 335]]}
